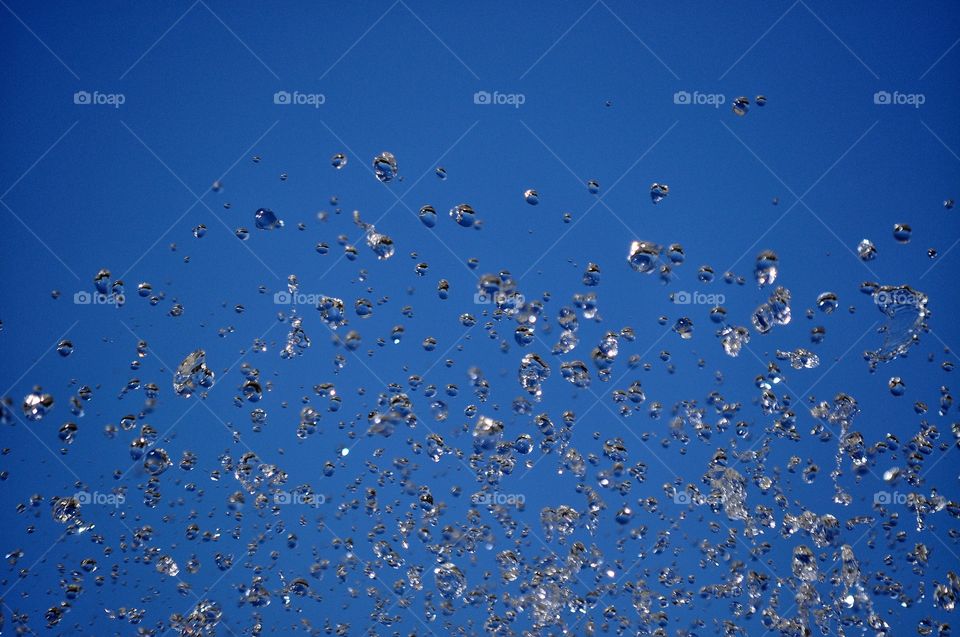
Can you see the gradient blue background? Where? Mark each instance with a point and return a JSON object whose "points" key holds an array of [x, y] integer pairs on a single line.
{"points": [[101, 187]]}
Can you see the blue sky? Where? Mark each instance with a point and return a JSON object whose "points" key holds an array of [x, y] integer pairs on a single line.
{"points": [[118, 119]]}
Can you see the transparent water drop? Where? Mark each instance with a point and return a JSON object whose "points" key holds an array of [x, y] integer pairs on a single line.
{"points": [[428, 216], [897, 386], [385, 166], [464, 215], [767, 268], [827, 302], [266, 219], [741, 105], [902, 232], [658, 192]]}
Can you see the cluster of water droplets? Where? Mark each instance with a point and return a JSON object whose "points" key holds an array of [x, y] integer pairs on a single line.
{"points": [[577, 497]]}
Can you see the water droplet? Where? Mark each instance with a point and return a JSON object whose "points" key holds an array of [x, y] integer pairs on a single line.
{"points": [[385, 166], [897, 386], [464, 215], [338, 161], [428, 216], [266, 219], [741, 105], [866, 250], [902, 232], [644, 256], [192, 374], [767, 268], [827, 302], [658, 192]]}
